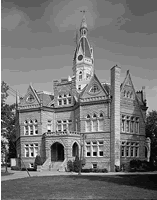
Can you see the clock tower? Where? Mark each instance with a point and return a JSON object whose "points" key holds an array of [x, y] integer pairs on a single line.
{"points": [[83, 62]]}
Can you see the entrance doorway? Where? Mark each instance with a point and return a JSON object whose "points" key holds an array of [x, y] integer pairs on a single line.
{"points": [[75, 150], [57, 152]]}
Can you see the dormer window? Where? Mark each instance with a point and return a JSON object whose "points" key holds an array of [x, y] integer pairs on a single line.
{"points": [[94, 89], [30, 98]]}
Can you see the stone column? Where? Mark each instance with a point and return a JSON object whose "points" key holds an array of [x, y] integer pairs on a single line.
{"points": [[115, 118]]}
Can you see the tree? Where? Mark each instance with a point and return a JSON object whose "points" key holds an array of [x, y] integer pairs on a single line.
{"points": [[151, 132], [8, 118]]}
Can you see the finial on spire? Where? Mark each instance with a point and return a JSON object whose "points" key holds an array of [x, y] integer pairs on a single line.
{"points": [[83, 23]]}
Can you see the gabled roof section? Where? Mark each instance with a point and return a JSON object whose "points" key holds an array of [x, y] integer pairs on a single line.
{"points": [[31, 97], [45, 97], [88, 92], [128, 82]]}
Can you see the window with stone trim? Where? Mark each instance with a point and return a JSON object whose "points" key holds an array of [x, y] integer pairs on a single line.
{"points": [[128, 124], [132, 125], [123, 149], [94, 123], [137, 125], [31, 127], [129, 149], [49, 126], [94, 149], [64, 125], [94, 89], [64, 99], [31, 150]]}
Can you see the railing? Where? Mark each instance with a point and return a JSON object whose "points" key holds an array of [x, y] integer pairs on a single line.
{"points": [[63, 133], [63, 165]]}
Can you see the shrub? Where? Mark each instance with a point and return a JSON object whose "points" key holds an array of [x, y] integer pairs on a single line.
{"points": [[29, 169], [38, 161], [76, 164], [70, 166], [117, 168], [104, 170], [15, 168]]}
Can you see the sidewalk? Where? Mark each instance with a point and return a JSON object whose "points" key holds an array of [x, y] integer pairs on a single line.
{"points": [[24, 174]]}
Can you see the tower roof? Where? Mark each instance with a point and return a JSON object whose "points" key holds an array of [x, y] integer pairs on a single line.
{"points": [[83, 23]]}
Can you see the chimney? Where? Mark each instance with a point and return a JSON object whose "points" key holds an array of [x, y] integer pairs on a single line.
{"points": [[143, 94], [115, 118]]}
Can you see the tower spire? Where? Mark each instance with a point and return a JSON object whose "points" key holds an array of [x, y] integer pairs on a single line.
{"points": [[83, 23]]}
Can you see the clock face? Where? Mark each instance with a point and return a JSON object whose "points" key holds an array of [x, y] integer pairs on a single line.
{"points": [[80, 57]]}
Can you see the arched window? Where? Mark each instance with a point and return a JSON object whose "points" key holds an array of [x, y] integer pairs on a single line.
{"points": [[124, 93], [31, 122], [80, 75], [94, 89], [75, 150], [131, 95], [88, 116], [101, 115], [94, 115]]}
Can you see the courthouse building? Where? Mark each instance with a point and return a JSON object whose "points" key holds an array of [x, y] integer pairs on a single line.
{"points": [[103, 123]]}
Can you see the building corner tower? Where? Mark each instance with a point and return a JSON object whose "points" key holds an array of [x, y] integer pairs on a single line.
{"points": [[115, 118]]}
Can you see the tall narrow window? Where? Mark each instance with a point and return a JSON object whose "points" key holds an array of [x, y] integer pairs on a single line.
{"points": [[26, 132], [94, 148], [137, 150], [137, 125], [49, 126], [88, 123], [88, 149], [59, 125], [80, 75], [88, 126], [123, 123], [26, 150], [132, 125], [95, 125], [36, 129], [101, 148], [31, 130], [35, 149], [123, 149], [31, 150], [64, 125], [69, 125], [132, 150], [128, 124], [128, 149]]}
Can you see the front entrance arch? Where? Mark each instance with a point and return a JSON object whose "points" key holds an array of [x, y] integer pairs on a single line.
{"points": [[57, 152], [75, 150]]}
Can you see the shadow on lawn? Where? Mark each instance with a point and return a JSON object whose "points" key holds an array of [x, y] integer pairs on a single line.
{"points": [[6, 173], [141, 181]]}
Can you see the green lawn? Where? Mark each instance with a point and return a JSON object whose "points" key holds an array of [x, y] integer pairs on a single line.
{"points": [[83, 187]]}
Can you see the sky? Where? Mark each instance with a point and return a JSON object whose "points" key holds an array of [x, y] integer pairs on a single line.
{"points": [[38, 42]]}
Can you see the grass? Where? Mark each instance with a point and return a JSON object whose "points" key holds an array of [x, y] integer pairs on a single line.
{"points": [[82, 187], [5, 173]]}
